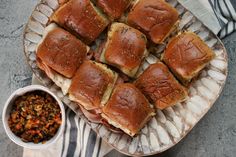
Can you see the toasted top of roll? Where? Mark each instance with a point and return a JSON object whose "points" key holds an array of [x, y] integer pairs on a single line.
{"points": [[125, 48], [154, 17], [113, 8], [61, 51], [186, 54], [82, 18], [92, 85], [127, 109], [160, 87]]}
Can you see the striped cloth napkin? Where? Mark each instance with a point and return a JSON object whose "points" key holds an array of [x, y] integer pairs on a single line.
{"points": [[218, 15], [79, 140]]}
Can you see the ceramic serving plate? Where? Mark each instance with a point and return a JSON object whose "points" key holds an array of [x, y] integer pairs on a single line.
{"points": [[169, 126]]}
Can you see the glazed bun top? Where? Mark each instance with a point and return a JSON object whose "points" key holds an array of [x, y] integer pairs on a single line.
{"points": [[92, 85], [125, 48], [127, 109], [61, 51], [186, 54], [82, 18], [154, 17]]}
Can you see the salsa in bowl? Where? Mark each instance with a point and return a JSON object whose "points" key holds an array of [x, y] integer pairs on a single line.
{"points": [[33, 117]]}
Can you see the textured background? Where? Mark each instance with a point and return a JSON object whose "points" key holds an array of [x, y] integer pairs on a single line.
{"points": [[214, 135]]}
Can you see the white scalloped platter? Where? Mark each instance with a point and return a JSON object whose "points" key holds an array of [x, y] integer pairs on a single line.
{"points": [[169, 126]]}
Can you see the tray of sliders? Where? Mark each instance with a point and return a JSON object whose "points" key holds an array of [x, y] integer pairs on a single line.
{"points": [[140, 73]]}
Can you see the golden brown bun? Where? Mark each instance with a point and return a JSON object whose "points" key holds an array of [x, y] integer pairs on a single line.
{"points": [[125, 48], [154, 17], [61, 51], [82, 18], [127, 109], [160, 87], [113, 8], [92, 85], [186, 54]]}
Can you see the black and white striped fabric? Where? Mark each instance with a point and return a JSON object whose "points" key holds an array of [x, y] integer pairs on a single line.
{"points": [[225, 10], [217, 15], [79, 140]]}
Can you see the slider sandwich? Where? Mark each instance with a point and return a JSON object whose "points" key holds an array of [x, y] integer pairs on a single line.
{"points": [[127, 109], [59, 54], [82, 18], [186, 55], [92, 86], [156, 18], [125, 48], [160, 87]]}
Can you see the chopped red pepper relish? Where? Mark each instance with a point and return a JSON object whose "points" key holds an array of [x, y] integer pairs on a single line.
{"points": [[35, 117]]}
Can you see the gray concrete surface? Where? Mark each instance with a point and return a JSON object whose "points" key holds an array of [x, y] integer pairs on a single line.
{"points": [[214, 136]]}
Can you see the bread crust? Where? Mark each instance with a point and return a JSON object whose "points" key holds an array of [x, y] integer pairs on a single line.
{"points": [[127, 109], [113, 8], [156, 18], [160, 86], [186, 55], [61, 51], [82, 18], [125, 48], [92, 85]]}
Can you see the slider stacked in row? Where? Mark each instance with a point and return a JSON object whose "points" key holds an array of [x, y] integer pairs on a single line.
{"points": [[93, 83], [125, 48], [156, 18], [81, 18], [186, 55], [61, 51], [160, 86], [96, 86]]}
